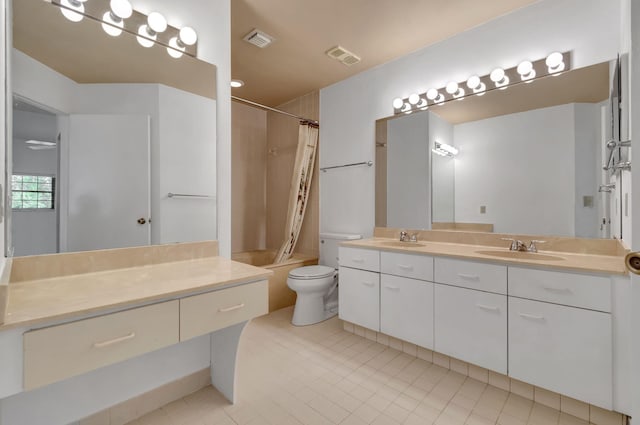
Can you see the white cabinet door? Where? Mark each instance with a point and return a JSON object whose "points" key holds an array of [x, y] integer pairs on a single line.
{"points": [[471, 326], [564, 349], [406, 309], [359, 297]]}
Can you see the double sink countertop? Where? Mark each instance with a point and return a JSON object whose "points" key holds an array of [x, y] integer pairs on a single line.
{"points": [[583, 255]]}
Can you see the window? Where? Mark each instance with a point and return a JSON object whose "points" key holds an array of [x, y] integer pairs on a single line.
{"points": [[32, 192]]}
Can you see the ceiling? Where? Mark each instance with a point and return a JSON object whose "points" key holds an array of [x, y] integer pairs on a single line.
{"points": [[377, 31]]}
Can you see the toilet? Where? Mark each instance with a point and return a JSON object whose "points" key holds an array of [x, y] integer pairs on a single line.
{"points": [[317, 286]]}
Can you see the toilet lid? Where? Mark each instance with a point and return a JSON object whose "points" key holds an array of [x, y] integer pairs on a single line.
{"points": [[312, 272]]}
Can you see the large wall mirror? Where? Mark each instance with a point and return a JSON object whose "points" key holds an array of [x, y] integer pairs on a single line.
{"points": [[114, 144], [529, 161]]}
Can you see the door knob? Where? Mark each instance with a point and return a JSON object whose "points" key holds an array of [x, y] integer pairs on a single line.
{"points": [[632, 262], [141, 221]]}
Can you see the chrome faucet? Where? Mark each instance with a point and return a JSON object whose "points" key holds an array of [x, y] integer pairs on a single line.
{"points": [[404, 236], [516, 244], [532, 245]]}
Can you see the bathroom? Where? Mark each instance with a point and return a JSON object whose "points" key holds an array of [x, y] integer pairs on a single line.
{"points": [[593, 31]]}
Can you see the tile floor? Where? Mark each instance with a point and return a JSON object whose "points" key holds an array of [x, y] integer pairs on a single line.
{"points": [[322, 375]]}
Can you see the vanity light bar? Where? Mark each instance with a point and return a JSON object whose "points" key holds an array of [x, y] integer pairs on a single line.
{"points": [[443, 149], [117, 16], [499, 79]]}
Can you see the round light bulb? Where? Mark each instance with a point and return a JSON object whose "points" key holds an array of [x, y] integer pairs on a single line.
{"points": [[497, 75], [77, 9], [525, 68], [397, 103], [414, 99], [110, 26], [432, 94], [237, 83], [554, 59], [121, 8], [452, 87], [143, 37], [157, 22], [174, 50], [188, 36], [473, 82]]}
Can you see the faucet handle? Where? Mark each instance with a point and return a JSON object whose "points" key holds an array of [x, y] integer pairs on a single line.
{"points": [[532, 245], [514, 243], [413, 237], [403, 236]]}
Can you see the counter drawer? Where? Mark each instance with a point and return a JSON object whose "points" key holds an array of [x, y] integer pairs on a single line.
{"points": [[472, 275], [407, 265], [357, 258], [59, 352], [205, 313], [577, 290]]}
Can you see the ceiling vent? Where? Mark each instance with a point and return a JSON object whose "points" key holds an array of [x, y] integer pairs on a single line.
{"points": [[258, 38], [343, 55]]}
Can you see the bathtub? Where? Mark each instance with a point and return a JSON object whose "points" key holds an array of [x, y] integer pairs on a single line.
{"points": [[280, 295]]}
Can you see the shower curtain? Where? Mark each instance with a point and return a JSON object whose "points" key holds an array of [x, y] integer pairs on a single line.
{"points": [[299, 189]]}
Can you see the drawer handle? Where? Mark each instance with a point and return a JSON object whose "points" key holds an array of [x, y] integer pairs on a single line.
{"points": [[558, 290], [369, 284], [405, 267], [392, 288], [114, 341], [234, 307], [532, 317], [357, 260], [488, 308], [469, 276]]}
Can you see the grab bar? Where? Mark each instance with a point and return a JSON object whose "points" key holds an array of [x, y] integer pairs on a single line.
{"points": [[367, 163], [186, 195]]}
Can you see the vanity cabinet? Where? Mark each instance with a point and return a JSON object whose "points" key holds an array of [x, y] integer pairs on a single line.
{"points": [[406, 297], [359, 291], [471, 312], [561, 334]]}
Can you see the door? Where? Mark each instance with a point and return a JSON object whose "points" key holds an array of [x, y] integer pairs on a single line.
{"points": [[107, 184], [359, 297]]}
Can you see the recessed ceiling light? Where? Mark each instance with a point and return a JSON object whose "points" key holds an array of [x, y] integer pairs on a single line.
{"points": [[237, 83]]}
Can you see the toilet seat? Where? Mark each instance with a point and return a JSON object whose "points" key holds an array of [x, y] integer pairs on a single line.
{"points": [[312, 272]]}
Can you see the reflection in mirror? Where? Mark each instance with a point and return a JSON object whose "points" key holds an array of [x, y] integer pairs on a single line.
{"points": [[104, 130], [529, 160]]}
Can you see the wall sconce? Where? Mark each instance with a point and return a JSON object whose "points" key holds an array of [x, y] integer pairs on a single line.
{"points": [[118, 16], [499, 79], [113, 20], [443, 149], [73, 10]]}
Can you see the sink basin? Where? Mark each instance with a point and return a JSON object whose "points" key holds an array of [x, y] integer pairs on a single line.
{"points": [[522, 255], [398, 244]]}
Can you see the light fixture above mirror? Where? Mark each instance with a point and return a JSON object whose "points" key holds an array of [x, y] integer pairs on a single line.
{"points": [[117, 16], [499, 79]]}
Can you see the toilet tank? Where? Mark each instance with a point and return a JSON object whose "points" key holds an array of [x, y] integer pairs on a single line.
{"points": [[329, 243]]}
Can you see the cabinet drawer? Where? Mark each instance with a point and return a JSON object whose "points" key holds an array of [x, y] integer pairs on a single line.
{"points": [[406, 309], [359, 297], [471, 326], [407, 265], [357, 258], [578, 290], [472, 275], [59, 352], [563, 349], [215, 310]]}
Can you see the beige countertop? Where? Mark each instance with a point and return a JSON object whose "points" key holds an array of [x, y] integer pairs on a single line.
{"points": [[609, 264], [43, 301]]}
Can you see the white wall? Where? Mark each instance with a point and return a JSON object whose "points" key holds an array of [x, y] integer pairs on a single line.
{"points": [[34, 232], [348, 109], [443, 171], [588, 165]]}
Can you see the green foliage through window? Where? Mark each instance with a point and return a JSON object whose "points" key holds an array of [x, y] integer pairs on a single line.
{"points": [[32, 192]]}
